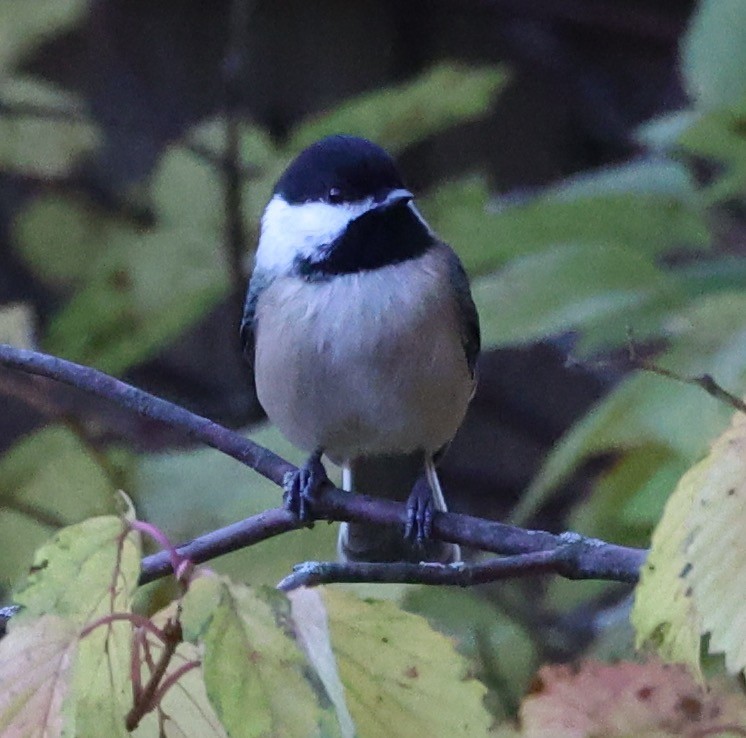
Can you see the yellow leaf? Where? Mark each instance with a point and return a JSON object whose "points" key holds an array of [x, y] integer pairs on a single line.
{"points": [[185, 711], [664, 614], [102, 685], [715, 550], [86, 571], [401, 677]]}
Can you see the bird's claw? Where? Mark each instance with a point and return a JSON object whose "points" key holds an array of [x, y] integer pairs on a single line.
{"points": [[301, 488], [420, 509]]}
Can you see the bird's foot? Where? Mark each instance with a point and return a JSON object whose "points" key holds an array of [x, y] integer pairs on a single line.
{"points": [[420, 509], [301, 488]]}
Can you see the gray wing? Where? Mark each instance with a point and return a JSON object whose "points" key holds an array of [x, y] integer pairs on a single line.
{"points": [[257, 284], [470, 334]]}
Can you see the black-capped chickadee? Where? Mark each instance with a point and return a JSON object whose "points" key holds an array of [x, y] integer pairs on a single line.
{"points": [[363, 335]]}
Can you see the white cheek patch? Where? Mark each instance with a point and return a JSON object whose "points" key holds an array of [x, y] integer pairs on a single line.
{"points": [[290, 231]]}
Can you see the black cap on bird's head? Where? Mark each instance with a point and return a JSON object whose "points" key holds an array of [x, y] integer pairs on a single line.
{"points": [[339, 207], [339, 169]]}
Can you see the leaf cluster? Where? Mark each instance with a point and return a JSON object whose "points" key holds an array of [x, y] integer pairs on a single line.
{"points": [[222, 659]]}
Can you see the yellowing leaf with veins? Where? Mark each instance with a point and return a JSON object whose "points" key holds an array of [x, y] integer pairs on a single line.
{"points": [[255, 672], [85, 571], [401, 677], [664, 614], [716, 551], [36, 659], [102, 686]]}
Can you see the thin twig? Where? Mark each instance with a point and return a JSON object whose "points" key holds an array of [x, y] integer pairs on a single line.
{"points": [[146, 702], [313, 573], [633, 360], [703, 381]]}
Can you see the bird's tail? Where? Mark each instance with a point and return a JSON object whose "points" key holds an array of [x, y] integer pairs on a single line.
{"points": [[392, 477]]}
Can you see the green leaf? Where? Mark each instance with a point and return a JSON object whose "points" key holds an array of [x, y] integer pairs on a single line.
{"points": [[65, 239], [187, 193], [48, 479], [136, 288], [399, 116], [628, 499], [401, 678], [199, 603], [140, 290], [644, 208], [564, 288], [662, 133], [43, 130], [261, 162], [24, 25], [254, 672], [719, 135], [653, 176], [713, 53], [707, 336]]}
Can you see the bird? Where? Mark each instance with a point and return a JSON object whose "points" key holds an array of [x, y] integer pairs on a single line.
{"points": [[363, 335]]}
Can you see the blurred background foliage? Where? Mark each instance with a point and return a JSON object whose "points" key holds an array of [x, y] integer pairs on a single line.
{"points": [[587, 161]]}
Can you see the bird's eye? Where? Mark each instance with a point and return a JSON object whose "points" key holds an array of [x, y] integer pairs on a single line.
{"points": [[335, 195]]}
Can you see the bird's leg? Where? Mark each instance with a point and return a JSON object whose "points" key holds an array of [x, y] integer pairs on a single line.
{"points": [[302, 486], [420, 508]]}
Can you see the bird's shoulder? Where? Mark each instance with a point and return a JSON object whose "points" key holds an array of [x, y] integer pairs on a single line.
{"points": [[467, 311]]}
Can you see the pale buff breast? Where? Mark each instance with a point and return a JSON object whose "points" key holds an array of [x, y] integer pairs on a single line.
{"points": [[366, 363]]}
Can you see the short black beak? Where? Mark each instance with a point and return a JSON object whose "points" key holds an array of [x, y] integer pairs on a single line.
{"points": [[395, 197]]}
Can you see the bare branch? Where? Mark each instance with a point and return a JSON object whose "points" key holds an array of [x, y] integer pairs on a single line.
{"points": [[262, 460], [567, 554], [313, 573]]}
